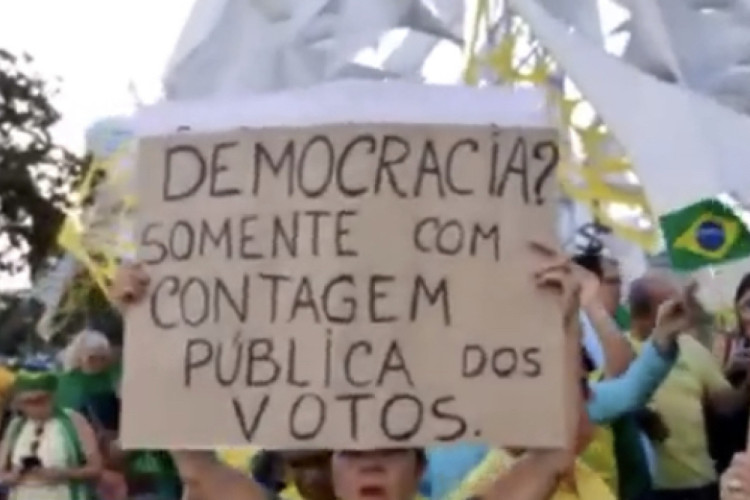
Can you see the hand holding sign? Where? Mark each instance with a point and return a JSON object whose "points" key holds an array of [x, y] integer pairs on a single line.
{"points": [[342, 286], [559, 273], [129, 286]]}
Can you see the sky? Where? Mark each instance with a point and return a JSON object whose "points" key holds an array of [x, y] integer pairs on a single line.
{"points": [[97, 47], [101, 49]]}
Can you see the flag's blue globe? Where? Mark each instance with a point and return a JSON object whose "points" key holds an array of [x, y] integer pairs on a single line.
{"points": [[710, 235]]}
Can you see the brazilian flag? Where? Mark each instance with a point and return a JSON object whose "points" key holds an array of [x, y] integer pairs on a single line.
{"points": [[704, 234]]}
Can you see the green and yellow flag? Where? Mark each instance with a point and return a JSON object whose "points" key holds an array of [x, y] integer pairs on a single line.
{"points": [[704, 234]]}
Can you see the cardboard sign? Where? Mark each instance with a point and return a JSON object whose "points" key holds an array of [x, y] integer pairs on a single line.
{"points": [[344, 286]]}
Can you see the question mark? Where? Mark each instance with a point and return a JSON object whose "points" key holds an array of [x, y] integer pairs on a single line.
{"points": [[554, 157]]}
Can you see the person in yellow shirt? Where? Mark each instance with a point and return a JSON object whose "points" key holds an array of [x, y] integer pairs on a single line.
{"points": [[684, 468], [673, 316], [394, 474], [581, 484]]}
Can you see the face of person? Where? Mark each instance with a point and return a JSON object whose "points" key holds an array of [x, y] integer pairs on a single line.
{"points": [[610, 292], [95, 360], [376, 474], [36, 405], [743, 312]]}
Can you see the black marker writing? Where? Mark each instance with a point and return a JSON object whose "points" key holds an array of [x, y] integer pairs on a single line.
{"points": [[251, 237], [433, 235], [193, 301], [397, 418], [503, 362]]}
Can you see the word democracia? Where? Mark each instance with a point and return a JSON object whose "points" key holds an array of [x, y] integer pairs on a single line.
{"points": [[363, 165]]}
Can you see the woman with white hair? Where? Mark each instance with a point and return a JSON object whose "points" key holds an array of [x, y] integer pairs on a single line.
{"points": [[90, 370]]}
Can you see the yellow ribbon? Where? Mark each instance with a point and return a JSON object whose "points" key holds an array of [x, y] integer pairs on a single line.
{"points": [[586, 182]]}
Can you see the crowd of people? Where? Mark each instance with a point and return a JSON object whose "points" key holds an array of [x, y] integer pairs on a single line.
{"points": [[662, 414]]}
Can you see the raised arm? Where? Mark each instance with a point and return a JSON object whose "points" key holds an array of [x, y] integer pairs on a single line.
{"points": [[617, 351], [598, 319], [631, 391], [613, 398], [536, 476], [203, 475]]}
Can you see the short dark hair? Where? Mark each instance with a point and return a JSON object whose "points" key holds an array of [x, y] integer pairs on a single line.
{"points": [[592, 261]]}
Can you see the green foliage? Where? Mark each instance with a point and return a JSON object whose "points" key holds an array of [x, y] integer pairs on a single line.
{"points": [[37, 176]]}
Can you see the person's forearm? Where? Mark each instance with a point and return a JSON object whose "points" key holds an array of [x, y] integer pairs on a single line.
{"points": [[205, 477], [615, 397], [529, 479], [617, 351]]}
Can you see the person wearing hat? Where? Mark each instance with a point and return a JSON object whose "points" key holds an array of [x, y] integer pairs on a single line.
{"points": [[90, 370], [47, 453]]}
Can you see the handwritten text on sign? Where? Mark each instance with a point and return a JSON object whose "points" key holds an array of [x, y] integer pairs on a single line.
{"points": [[344, 286]]}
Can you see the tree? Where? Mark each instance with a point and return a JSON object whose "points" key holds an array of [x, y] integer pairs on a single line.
{"points": [[37, 177], [18, 315]]}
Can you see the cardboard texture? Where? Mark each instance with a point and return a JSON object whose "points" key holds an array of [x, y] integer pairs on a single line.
{"points": [[344, 286]]}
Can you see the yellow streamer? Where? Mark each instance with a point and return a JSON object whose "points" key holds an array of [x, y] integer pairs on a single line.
{"points": [[587, 183], [89, 236]]}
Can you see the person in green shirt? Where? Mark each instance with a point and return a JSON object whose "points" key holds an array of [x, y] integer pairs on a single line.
{"points": [[89, 384], [90, 370]]}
